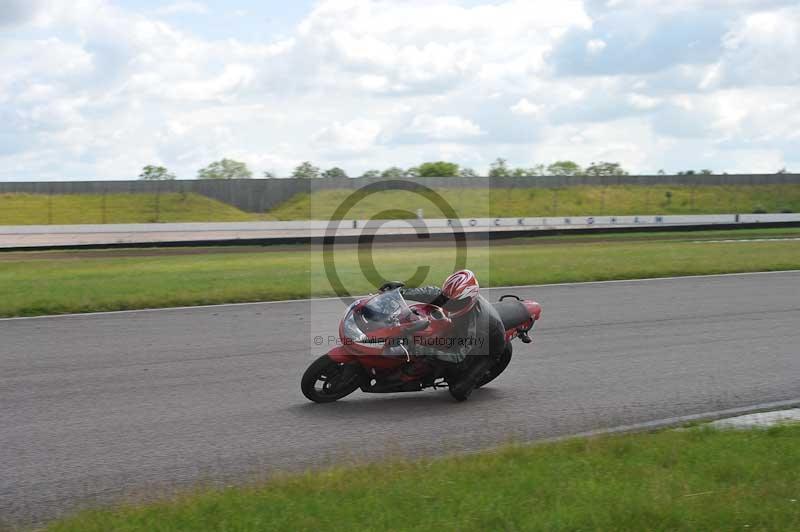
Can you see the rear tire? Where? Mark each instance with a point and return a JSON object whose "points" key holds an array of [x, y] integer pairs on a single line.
{"points": [[460, 395], [497, 368], [326, 380]]}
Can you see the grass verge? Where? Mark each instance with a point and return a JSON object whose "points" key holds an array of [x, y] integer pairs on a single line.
{"points": [[45, 286], [698, 479], [27, 209], [571, 201], [40, 209]]}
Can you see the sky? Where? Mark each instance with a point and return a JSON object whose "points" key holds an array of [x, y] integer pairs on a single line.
{"points": [[97, 89]]}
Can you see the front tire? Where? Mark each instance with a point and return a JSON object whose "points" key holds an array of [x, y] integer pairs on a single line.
{"points": [[326, 380]]}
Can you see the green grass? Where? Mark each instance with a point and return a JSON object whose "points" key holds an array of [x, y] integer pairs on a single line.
{"points": [[573, 201], [34, 209], [27, 209], [81, 283], [692, 480], [676, 235]]}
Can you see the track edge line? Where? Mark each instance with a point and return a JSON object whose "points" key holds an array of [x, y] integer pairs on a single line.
{"points": [[312, 299]]}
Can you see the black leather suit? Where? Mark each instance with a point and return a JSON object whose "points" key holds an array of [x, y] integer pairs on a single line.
{"points": [[482, 322]]}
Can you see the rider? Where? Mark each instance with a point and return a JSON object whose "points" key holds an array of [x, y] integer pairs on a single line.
{"points": [[477, 334]]}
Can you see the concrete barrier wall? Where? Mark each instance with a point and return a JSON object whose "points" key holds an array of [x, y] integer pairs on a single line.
{"points": [[260, 195], [48, 236]]}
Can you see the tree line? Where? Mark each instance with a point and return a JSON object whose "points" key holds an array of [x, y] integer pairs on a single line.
{"points": [[230, 169]]}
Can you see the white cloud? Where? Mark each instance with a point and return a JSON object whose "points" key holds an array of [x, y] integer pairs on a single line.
{"points": [[354, 136], [373, 83], [91, 89], [50, 58], [641, 101], [630, 141], [595, 46], [712, 76], [416, 46], [226, 85], [526, 107], [13, 12], [763, 49], [645, 8], [443, 127], [185, 7]]}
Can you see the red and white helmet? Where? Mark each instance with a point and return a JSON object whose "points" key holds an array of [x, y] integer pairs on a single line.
{"points": [[461, 290]]}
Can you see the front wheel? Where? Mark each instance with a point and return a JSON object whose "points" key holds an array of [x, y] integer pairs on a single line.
{"points": [[326, 380]]}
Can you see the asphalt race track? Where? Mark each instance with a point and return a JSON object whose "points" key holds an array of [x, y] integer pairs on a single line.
{"points": [[96, 408]]}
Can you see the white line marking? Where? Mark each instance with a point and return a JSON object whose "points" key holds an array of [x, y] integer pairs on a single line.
{"points": [[679, 420], [650, 425], [743, 240], [644, 280], [308, 300], [759, 420]]}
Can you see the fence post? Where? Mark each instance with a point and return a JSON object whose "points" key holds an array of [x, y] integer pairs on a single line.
{"points": [[183, 203], [555, 202], [158, 201], [210, 206], [104, 206], [603, 200]]}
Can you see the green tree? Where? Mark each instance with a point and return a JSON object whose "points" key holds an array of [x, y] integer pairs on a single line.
{"points": [[335, 172], [371, 173], [156, 173], [539, 169], [499, 168], [393, 173], [605, 169], [438, 169], [306, 170], [564, 168], [269, 174], [704, 171], [412, 172], [225, 169], [467, 172]]}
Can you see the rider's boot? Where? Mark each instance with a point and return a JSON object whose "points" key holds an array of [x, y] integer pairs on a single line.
{"points": [[465, 383]]}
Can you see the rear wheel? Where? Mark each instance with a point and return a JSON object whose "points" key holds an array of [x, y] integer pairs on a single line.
{"points": [[326, 380], [460, 395], [497, 368]]}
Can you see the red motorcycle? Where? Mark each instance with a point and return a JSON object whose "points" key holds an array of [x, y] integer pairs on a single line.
{"points": [[372, 351]]}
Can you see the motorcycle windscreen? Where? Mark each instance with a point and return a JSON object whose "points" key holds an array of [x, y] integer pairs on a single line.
{"points": [[380, 314]]}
